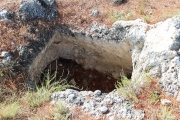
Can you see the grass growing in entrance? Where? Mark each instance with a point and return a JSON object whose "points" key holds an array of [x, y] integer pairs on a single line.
{"points": [[42, 94], [125, 88]]}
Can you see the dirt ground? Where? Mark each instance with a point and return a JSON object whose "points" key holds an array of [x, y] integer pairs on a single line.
{"points": [[77, 13]]}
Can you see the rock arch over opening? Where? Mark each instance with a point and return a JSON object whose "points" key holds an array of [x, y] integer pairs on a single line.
{"points": [[108, 51], [132, 46]]}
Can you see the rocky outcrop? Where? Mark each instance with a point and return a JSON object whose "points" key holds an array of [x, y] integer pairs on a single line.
{"points": [[133, 46], [160, 56]]}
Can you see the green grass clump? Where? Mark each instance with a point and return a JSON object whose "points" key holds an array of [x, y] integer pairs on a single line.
{"points": [[8, 111], [35, 99], [125, 88], [154, 98], [166, 114], [43, 93], [116, 15], [62, 113]]}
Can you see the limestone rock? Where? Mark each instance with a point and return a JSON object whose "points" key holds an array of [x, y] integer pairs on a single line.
{"points": [[6, 15], [97, 105], [95, 12], [134, 46], [117, 2], [7, 58], [31, 11], [37, 10], [103, 109], [159, 57], [166, 102], [49, 2]]}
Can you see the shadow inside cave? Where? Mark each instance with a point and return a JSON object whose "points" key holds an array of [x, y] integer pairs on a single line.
{"points": [[84, 79]]}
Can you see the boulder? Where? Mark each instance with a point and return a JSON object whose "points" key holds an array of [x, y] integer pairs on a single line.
{"points": [[37, 10]]}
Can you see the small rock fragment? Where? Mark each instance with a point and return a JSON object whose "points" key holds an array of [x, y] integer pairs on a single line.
{"points": [[166, 102], [4, 53], [95, 12], [97, 93], [49, 2], [117, 2], [103, 109], [72, 82], [6, 15], [177, 95]]}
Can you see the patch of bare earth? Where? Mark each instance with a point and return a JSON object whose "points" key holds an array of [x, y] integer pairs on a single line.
{"points": [[77, 13], [153, 109]]}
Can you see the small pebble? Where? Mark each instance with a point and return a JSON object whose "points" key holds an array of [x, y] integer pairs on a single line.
{"points": [[166, 102], [103, 109], [95, 12], [97, 93]]}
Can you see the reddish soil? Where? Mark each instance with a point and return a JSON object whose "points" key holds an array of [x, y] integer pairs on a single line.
{"points": [[154, 109]]}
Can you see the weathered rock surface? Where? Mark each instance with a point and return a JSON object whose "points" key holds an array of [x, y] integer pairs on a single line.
{"points": [[6, 15], [160, 56], [117, 2], [98, 104], [38, 9]]}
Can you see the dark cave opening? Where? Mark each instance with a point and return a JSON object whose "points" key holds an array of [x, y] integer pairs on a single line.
{"points": [[84, 79]]}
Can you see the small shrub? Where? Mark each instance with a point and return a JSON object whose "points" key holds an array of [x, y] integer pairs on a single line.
{"points": [[114, 16], [9, 111], [125, 88], [42, 94], [61, 113], [166, 114], [1, 74], [35, 99], [154, 98], [7, 94], [146, 18], [141, 7]]}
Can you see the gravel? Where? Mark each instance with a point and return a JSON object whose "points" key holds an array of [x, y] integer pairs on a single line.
{"points": [[97, 104]]}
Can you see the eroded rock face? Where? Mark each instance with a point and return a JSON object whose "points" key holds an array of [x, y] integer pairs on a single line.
{"points": [[133, 46], [160, 55], [106, 50]]}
